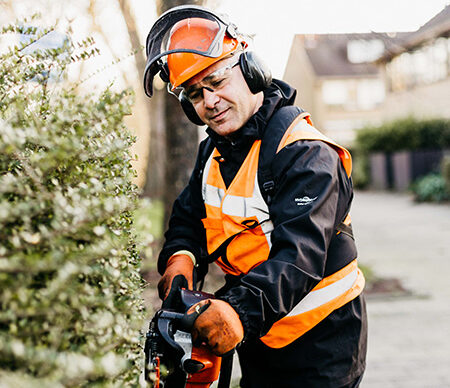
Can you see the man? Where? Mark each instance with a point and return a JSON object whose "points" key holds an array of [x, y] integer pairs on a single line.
{"points": [[268, 202]]}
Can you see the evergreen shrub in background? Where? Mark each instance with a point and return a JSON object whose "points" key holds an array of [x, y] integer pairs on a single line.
{"points": [[405, 135], [445, 167], [70, 289], [430, 188], [434, 187]]}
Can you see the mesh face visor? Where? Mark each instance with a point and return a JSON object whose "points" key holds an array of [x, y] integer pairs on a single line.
{"points": [[159, 43]]}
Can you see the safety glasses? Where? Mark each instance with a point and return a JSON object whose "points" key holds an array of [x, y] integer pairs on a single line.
{"points": [[213, 82]]}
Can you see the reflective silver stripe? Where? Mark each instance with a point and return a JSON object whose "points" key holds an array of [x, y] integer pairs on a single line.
{"points": [[205, 176], [261, 205], [234, 206], [302, 125], [253, 206], [319, 297], [244, 207], [213, 195]]}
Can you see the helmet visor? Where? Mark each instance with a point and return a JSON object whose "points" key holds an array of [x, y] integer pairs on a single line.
{"points": [[169, 35]]}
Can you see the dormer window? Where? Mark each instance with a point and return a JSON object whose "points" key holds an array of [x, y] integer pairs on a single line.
{"points": [[364, 50]]}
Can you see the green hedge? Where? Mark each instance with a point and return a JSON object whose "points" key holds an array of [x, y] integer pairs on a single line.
{"points": [[70, 289], [405, 134]]}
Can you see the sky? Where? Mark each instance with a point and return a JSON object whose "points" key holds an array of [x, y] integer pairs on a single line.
{"points": [[274, 22]]}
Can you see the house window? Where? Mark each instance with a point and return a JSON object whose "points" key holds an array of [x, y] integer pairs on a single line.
{"points": [[364, 50], [354, 94], [369, 93], [425, 65], [335, 92], [440, 56]]}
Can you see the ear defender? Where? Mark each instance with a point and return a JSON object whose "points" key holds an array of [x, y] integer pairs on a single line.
{"points": [[256, 74], [189, 110]]}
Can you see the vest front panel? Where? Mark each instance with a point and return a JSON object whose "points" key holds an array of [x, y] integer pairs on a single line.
{"points": [[232, 210]]}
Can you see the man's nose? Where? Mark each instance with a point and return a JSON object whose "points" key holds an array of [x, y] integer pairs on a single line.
{"points": [[210, 98]]}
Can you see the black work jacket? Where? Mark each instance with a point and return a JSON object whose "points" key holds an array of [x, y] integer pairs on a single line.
{"points": [[300, 239]]}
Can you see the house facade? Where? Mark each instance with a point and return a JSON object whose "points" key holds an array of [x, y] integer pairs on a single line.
{"points": [[417, 71], [347, 81]]}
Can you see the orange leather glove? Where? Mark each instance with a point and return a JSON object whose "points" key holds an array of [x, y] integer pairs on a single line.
{"points": [[218, 326], [176, 265]]}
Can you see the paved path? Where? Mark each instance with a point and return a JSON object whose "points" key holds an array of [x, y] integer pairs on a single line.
{"points": [[409, 338]]}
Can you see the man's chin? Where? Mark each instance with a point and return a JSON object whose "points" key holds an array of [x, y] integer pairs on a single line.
{"points": [[223, 129]]}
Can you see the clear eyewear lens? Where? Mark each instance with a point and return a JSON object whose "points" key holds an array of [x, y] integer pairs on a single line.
{"points": [[213, 82]]}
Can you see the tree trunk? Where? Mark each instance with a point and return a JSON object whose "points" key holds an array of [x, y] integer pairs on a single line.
{"points": [[157, 156], [153, 186], [136, 45], [181, 138], [181, 145]]}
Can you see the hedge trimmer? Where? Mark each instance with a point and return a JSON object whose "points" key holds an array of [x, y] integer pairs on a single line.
{"points": [[171, 359]]}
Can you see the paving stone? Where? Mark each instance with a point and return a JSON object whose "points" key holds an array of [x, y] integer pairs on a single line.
{"points": [[409, 337]]}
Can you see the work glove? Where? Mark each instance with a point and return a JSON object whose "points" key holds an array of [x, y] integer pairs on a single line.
{"points": [[176, 265], [218, 326]]}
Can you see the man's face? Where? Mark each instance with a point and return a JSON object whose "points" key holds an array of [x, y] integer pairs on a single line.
{"points": [[221, 96]]}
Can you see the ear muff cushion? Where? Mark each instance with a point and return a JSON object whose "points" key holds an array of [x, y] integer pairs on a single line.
{"points": [[255, 72], [189, 110]]}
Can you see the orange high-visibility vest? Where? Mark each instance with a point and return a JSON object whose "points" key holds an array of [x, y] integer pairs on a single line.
{"points": [[230, 210]]}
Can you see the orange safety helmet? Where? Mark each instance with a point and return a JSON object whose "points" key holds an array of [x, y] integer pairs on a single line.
{"points": [[186, 40], [198, 34]]}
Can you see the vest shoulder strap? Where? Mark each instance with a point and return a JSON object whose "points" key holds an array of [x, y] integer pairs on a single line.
{"points": [[274, 132], [276, 128]]}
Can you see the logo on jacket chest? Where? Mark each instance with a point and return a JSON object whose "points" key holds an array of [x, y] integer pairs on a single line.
{"points": [[304, 200]]}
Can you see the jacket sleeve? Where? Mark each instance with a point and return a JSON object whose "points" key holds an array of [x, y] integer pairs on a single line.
{"points": [[313, 195], [186, 231]]}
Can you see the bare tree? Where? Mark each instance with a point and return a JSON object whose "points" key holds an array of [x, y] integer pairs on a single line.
{"points": [[181, 136], [154, 180]]}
